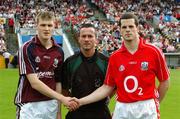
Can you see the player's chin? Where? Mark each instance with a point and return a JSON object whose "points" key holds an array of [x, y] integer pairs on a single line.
{"points": [[86, 48], [128, 38], [47, 37]]}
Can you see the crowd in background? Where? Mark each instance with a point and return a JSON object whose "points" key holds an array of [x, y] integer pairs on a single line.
{"points": [[70, 14], [146, 12]]}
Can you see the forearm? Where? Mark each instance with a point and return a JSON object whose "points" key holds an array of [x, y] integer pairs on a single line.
{"points": [[163, 87], [59, 90], [97, 95], [43, 88]]}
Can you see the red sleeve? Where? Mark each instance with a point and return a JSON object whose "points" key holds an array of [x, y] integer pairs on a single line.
{"points": [[161, 69], [110, 75]]}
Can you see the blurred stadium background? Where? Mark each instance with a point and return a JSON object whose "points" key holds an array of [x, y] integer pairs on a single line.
{"points": [[159, 21]]}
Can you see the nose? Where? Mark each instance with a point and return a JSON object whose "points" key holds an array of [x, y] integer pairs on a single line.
{"points": [[46, 28], [128, 29], [86, 38]]}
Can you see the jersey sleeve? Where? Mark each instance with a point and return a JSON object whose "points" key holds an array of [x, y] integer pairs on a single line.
{"points": [[27, 63], [110, 74], [58, 72], [65, 76], [162, 72], [59, 69]]}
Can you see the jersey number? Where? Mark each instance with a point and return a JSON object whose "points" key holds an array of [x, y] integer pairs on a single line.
{"points": [[135, 85]]}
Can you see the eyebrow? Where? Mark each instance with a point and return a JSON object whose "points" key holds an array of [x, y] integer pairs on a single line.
{"points": [[130, 26]]}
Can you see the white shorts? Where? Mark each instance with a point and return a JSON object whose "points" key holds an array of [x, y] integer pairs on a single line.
{"points": [[38, 110], [147, 109]]}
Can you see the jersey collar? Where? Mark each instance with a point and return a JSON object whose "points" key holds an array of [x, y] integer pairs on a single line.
{"points": [[140, 46], [37, 41], [89, 59]]}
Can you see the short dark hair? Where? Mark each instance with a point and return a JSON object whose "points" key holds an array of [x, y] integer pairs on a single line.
{"points": [[88, 25], [129, 15]]}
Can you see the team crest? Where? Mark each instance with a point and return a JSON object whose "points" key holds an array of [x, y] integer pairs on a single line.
{"points": [[121, 68], [37, 59], [55, 62], [37, 68], [144, 66]]}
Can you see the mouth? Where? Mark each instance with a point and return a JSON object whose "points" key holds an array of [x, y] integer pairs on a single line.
{"points": [[86, 45], [127, 35], [46, 34]]}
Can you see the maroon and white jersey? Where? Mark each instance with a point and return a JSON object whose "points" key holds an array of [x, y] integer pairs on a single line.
{"points": [[47, 63], [134, 74]]}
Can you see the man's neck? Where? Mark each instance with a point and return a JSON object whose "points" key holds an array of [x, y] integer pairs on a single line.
{"points": [[88, 53], [132, 46], [46, 43]]}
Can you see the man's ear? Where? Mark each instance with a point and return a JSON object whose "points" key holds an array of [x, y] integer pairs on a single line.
{"points": [[97, 41], [36, 24], [78, 38]]}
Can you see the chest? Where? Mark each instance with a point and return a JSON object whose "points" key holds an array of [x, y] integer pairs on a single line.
{"points": [[88, 74], [46, 59], [138, 64]]}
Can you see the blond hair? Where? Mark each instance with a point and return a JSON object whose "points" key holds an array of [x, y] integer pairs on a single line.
{"points": [[45, 15]]}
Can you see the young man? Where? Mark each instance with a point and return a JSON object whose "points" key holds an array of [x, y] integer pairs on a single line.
{"points": [[132, 70], [84, 72], [40, 61]]}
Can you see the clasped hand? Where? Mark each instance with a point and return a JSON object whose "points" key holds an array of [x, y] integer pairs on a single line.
{"points": [[72, 103]]}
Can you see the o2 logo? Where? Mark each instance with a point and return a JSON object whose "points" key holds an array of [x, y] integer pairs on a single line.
{"points": [[135, 85]]}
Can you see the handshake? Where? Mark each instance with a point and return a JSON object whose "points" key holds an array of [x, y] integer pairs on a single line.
{"points": [[71, 103]]}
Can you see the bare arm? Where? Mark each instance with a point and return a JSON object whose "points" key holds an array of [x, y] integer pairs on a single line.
{"points": [[97, 95], [163, 87], [45, 90], [59, 90]]}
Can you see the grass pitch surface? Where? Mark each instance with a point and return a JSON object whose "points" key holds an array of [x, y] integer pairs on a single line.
{"points": [[170, 107]]}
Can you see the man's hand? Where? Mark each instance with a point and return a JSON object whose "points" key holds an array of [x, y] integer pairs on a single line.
{"points": [[71, 103], [77, 101]]}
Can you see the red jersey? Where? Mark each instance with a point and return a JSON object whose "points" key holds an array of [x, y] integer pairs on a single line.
{"points": [[134, 74], [47, 63]]}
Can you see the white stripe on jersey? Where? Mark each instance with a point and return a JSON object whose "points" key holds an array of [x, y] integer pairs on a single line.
{"points": [[161, 55], [19, 90], [30, 62], [21, 62]]}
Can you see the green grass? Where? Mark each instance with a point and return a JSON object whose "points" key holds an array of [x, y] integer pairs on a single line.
{"points": [[170, 107]]}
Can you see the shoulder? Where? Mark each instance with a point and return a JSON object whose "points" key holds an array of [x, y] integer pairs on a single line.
{"points": [[102, 56], [60, 50], [115, 54], [73, 57], [153, 48], [27, 46]]}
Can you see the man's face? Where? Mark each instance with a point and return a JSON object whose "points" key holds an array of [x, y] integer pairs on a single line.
{"points": [[87, 38], [45, 29], [129, 30]]}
